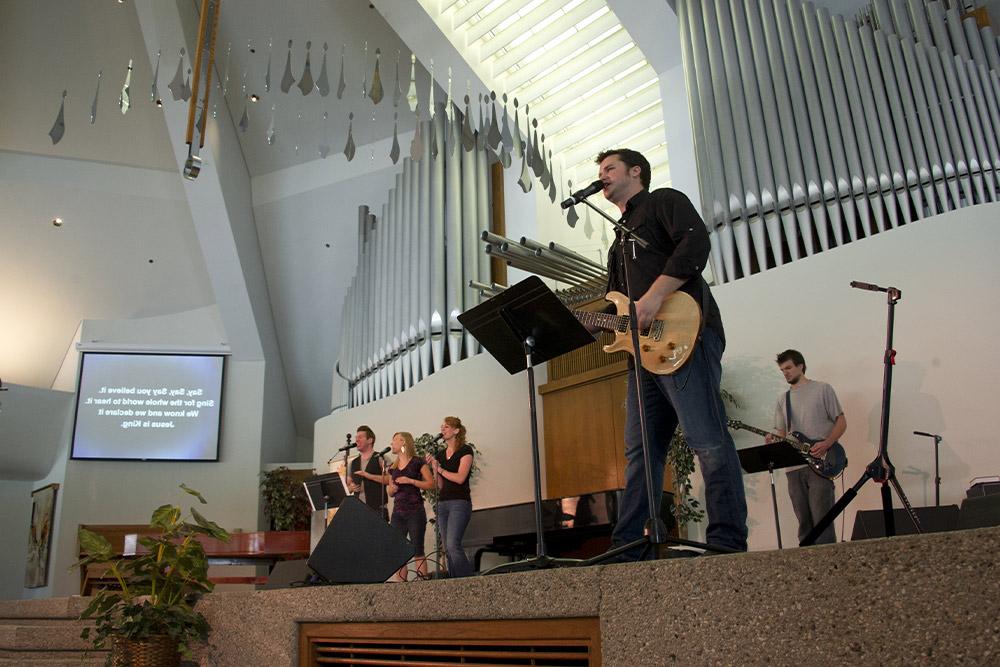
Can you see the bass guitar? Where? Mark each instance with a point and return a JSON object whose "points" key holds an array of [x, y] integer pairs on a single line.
{"points": [[668, 342], [830, 465]]}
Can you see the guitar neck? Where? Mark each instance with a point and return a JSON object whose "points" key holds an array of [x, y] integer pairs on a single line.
{"points": [[759, 431], [606, 321]]}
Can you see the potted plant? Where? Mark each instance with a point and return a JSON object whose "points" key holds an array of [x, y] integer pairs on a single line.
{"points": [[284, 498], [150, 618]]}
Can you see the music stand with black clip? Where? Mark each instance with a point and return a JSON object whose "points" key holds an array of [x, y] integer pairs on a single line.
{"points": [[521, 327], [771, 457], [325, 492]]}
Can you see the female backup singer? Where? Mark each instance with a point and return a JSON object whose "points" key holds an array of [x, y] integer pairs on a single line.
{"points": [[408, 475], [453, 466]]}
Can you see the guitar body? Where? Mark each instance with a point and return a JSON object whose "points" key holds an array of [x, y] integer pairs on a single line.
{"points": [[669, 342], [831, 465]]}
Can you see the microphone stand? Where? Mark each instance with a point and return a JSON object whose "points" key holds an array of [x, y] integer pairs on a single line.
{"points": [[880, 469], [655, 532]]}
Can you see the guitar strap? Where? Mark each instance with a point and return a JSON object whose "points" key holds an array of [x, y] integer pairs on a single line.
{"points": [[788, 411]]}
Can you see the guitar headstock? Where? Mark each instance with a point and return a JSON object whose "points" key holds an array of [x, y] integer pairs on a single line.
{"points": [[735, 423]]}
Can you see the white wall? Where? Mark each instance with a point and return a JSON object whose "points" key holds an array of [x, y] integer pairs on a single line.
{"points": [[15, 498], [945, 328]]}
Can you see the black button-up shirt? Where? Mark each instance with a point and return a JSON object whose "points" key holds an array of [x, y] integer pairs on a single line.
{"points": [[678, 247]]}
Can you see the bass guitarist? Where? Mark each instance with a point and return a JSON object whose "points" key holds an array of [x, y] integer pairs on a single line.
{"points": [[674, 260], [811, 408]]}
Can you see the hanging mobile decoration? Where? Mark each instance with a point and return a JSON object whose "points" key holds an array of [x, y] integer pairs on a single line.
{"points": [[59, 126], [349, 146], [271, 134], [186, 90], [537, 165], [93, 105], [154, 93], [267, 73], [417, 145], [376, 92], [571, 215], [468, 138], [342, 84], [323, 84], [528, 153], [324, 147], [411, 94], [397, 92], [125, 100], [505, 137], [364, 73], [516, 146], [306, 83], [176, 85], [244, 123], [552, 180], [287, 79], [543, 178], [524, 180], [493, 137], [394, 153]]}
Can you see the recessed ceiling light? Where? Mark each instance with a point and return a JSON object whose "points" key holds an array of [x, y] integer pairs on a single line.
{"points": [[57, 222]]}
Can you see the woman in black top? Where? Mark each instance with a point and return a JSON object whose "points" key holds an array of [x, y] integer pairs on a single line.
{"points": [[453, 466]]}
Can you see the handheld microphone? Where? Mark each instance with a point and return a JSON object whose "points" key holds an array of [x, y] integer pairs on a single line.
{"points": [[580, 195], [438, 438]]}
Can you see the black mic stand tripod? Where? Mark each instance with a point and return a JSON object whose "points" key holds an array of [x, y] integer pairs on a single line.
{"points": [[655, 532], [880, 469]]}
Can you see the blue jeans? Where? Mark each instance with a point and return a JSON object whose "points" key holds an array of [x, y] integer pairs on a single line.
{"points": [[453, 516], [413, 526], [690, 396]]}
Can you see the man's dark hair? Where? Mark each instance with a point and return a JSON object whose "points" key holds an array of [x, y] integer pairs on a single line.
{"points": [[793, 356], [367, 430], [631, 159]]}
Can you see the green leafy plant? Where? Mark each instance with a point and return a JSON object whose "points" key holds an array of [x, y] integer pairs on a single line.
{"points": [[158, 589], [425, 445], [686, 508], [285, 500]]}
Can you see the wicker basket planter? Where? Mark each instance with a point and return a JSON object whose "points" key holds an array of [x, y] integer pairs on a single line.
{"points": [[157, 651]]}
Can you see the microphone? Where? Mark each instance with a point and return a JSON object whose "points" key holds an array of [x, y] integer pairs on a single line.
{"points": [[383, 452], [868, 286], [349, 445], [438, 438], [929, 435], [580, 195]]}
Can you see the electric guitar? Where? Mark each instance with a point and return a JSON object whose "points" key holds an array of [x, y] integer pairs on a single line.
{"points": [[668, 342], [830, 465]]}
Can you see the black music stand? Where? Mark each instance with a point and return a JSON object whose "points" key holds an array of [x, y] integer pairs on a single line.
{"points": [[525, 325], [325, 491], [770, 458]]}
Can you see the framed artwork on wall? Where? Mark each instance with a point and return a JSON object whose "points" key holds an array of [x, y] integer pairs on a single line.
{"points": [[43, 509]]}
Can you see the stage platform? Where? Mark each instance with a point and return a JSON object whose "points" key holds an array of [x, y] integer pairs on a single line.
{"points": [[924, 599]]}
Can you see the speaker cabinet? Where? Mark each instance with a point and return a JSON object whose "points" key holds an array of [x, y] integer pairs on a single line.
{"points": [[288, 574], [980, 512], [869, 524], [359, 547]]}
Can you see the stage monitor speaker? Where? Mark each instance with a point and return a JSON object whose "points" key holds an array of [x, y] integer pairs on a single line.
{"points": [[980, 512], [288, 574], [868, 523], [359, 547]]}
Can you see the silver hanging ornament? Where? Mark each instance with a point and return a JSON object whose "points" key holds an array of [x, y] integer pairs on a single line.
{"points": [[505, 138], [493, 136], [481, 132], [552, 181], [537, 165], [529, 154], [306, 83], [417, 145], [97, 92], [323, 84], [186, 91], [571, 215], [468, 138], [517, 147], [154, 93], [176, 85], [349, 146], [59, 126], [397, 92], [125, 99], [267, 73], [364, 73], [543, 178], [342, 84], [376, 92], [244, 117], [394, 152], [411, 94], [524, 180], [287, 79], [271, 134]]}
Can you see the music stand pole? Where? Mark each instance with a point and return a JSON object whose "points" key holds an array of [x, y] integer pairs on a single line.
{"points": [[937, 468], [880, 469], [774, 502]]}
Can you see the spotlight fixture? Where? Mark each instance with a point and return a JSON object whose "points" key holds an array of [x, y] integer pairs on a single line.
{"points": [[57, 222], [254, 97]]}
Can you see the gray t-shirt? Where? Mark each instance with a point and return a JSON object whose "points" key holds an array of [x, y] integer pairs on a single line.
{"points": [[815, 409]]}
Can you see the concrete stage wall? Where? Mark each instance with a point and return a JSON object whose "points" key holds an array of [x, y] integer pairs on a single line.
{"points": [[928, 599]]}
